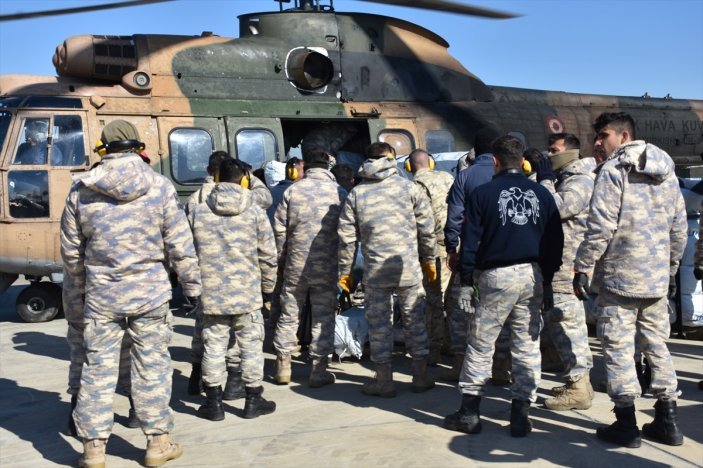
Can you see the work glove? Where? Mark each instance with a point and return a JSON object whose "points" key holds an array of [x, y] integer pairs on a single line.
{"points": [[547, 297], [698, 273], [266, 296], [191, 305], [345, 282], [544, 169], [430, 272], [672, 287], [453, 259], [580, 283], [469, 297]]}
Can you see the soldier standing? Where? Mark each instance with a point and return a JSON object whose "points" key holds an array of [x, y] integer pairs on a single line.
{"points": [[637, 232], [121, 225], [436, 185], [510, 247], [392, 218], [570, 181], [305, 226], [237, 254]]}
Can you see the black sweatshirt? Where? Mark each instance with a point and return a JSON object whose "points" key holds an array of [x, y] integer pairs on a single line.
{"points": [[511, 220]]}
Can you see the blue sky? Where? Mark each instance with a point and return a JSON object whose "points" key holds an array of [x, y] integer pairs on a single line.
{"points": [[617, 47]]}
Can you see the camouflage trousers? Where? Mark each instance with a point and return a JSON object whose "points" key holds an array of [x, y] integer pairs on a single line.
{"points": [[570, 335], [322, 304], [74, 336], [249, 333], [275, 308], [502, 360], [435, 303], [512, 294], [379, 313], [151, 372], [197, 348], [457, 319], [620, 319]]}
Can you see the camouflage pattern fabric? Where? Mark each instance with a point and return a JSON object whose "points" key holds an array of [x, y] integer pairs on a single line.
{"points": [[197, 347], [457, 319], [436, 184], [502, 359], [249, 331], [620, 319], [261, 195], [512, 294], [435, 291], [236, 250], [379, 313], [572, 196], [329, 137], [305, 226], [392, 218], [570, 336], [121, 225], [637, 223], [151, 372], [698, 254]]}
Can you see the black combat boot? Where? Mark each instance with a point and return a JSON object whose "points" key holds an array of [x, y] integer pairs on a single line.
{"points": [[624, 430], [212, 409], [71, 423], [468, 418], [234, 388], [195, 381], [665, 427], [256, 405], [520, 424], [133, 420]]}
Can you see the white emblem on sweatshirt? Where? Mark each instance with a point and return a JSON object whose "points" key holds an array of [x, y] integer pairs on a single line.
{"points": [[518, 206]]}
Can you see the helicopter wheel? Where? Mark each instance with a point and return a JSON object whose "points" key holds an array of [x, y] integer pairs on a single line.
{"points": [[39, 302]]}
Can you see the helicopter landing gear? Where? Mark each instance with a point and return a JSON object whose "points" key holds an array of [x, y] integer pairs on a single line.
{"points": [[39, 302]]}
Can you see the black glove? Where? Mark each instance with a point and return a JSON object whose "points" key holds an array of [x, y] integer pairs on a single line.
{"points": [[544, 169], [698, 273], [468, 297], [267, 297], [547, 297], [191, 305], [672, 287], [580, 283]]}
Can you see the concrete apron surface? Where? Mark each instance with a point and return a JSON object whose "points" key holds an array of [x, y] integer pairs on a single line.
{"points": [[331, 426]]}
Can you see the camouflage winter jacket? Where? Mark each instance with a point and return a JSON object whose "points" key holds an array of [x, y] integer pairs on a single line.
{"points": [[436, 184], [572, 196], [636, 224], [392, 218], [259, 192], [121, 225], [236, 250], [305, 226]]}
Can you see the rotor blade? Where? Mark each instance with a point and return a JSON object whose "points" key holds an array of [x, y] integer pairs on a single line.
{"points": [[448, 6], [68, 11]]}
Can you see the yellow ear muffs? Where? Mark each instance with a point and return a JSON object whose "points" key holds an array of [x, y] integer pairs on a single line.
{"points": [[100, 147], [246, 181], [217, 177], [526, 167], [408, 166], [292, 172], [431, 163]]}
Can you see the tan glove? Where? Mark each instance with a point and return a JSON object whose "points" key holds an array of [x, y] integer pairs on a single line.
{"points": [[345, 282], [430, 272]]}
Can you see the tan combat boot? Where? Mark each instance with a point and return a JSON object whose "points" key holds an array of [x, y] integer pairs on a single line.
{"points": [[283, 371], [453, 374], [320, 376], [382, 385], [160, 449], [556, 391], [93, 454], [575, 395], [421, 381]]}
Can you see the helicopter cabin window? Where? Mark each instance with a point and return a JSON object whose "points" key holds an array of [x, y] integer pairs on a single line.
{"points": [[5, 119], [400, 140], [439, 141], [255, 147], [69, 147], [190, 150], [28, 194]]}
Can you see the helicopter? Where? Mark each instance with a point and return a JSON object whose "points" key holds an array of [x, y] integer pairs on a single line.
{"points": [[298, 77]]}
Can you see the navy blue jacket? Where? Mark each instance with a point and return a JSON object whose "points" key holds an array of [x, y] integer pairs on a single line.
{"points": [[511, 220], [480, 172]]}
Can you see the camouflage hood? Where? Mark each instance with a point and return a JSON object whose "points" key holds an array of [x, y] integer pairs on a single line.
{"points": [[122, 176], [580, 166], [228, 199], [378, 169], [646, 159]]}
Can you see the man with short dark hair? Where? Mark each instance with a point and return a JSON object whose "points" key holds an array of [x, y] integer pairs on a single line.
{"points": [[510, 248], [392, 218], [560, 142], [637, 232]]}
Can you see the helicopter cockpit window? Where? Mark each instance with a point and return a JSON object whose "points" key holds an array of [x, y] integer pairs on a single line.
{"points": [[69, 147], [5, 118], [439, 141], [400, 140], [28, 194], [34, 146], [255, 147], [190, 150]]}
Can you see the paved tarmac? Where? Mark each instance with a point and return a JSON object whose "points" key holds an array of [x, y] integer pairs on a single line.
{"points": [[331, 426]]}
